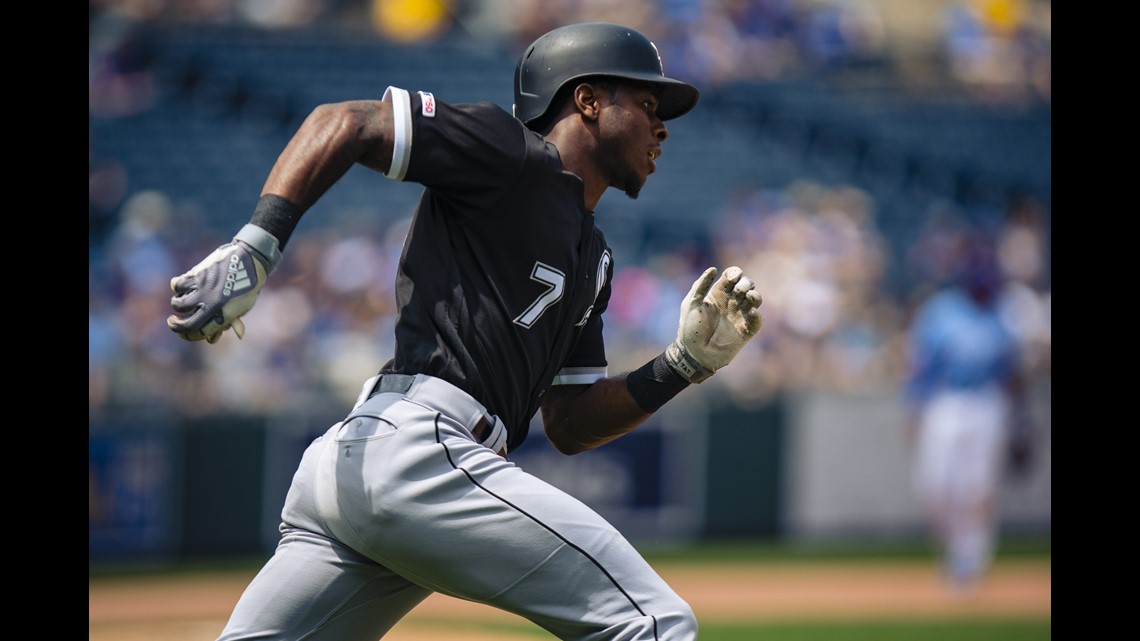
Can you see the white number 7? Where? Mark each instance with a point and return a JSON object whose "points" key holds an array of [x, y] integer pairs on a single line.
{"points": [[549, 276]]}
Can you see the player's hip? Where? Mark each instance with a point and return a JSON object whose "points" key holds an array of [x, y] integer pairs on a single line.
{"points": [[401, 428], [987, 404]]}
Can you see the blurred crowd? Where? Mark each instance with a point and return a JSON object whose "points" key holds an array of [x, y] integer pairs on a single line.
{"points": [[996, 49], [325, 321]]}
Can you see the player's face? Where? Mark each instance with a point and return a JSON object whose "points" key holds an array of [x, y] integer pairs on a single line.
{"points": [[631, 134]]}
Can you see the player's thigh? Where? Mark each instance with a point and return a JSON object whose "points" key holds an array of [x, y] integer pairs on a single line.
{"points": [[985, 445], [937, 454], [317, 589], [448, 514], [520, 544]]}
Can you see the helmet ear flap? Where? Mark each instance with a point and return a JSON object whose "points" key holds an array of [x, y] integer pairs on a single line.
{"points": [[525, 101]]}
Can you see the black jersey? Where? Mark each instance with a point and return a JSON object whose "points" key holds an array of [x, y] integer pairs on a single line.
{"points": [[504, 277]]}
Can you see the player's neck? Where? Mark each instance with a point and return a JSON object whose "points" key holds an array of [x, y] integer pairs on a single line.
{"points": [[577, 159]]}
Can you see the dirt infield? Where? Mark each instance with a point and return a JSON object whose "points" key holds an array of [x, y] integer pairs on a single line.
{"points": [[194, 607]]}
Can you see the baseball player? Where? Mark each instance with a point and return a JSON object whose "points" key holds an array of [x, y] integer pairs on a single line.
{"points": [[501, 288], [965, 396]]}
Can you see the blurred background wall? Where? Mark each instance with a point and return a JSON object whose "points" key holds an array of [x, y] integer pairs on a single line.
{"points": [[838, 150]]}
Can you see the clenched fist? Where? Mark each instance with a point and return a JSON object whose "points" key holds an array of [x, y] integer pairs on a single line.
{"points": [[214, 295], [717, 320]]}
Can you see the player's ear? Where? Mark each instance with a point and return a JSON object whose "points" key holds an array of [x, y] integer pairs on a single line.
{"points": [[586, 101]]}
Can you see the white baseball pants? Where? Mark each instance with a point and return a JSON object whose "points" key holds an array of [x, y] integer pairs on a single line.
{"points": [[398, 501]]}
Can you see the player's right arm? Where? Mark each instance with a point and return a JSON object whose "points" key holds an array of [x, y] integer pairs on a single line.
{"points": [[213, 295]]}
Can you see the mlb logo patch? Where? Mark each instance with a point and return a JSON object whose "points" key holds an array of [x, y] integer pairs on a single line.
{"points": [[428, 104]]}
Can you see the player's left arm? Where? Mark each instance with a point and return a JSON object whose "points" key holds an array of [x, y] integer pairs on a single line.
{"points": [[716, 321], [578, 418]]}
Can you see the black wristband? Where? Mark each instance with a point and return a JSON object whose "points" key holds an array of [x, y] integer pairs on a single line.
{"points": [[277, 216], [654, 383]]}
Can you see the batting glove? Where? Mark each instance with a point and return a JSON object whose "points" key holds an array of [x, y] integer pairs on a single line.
{"points": [[214, 295], [717, 320]]}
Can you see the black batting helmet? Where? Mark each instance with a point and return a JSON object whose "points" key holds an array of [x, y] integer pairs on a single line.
{"points": [[593, 49]]}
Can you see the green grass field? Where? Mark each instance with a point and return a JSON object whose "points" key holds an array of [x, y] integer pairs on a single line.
{"points": [[751, 564], [882, 631], [837, 630]]}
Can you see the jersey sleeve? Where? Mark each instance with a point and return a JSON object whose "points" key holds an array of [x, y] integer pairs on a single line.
{"points": [[587, 361], [923, 345], [467, 153]]}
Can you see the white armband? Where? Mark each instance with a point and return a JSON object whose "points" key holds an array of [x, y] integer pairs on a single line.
{"points": [[402, 139]]}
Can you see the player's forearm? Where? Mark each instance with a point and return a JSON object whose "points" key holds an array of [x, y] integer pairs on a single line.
{"points": [[582, 418]]}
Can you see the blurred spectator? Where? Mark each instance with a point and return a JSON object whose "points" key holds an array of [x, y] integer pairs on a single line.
{"points": [[931, 255], [999, 49], [410, 21], [130, 269], [104, 340], [842, 34], [139, 248], [967, 414], [120, 55], [106, 188], [1022, 253], [281, 14], [769, 29]]}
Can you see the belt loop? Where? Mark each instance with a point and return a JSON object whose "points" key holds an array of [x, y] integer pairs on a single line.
{"points": [[497, 439], [380, 383], [395, 383], [365, 391]]}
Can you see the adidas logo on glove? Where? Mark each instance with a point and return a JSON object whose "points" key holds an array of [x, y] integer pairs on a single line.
{"points": [[237, 278]]}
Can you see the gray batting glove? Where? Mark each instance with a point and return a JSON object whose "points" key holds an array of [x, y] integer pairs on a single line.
{"points": [[214, 295], [717, 320]]}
